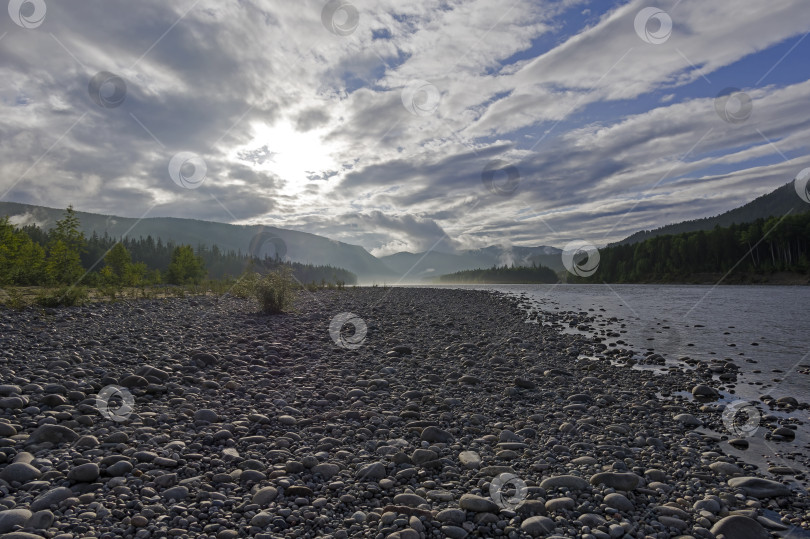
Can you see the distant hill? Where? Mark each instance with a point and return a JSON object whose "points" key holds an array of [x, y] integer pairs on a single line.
{"points": [[502, 275], [297, 246], [776, 203], [428, 266]]}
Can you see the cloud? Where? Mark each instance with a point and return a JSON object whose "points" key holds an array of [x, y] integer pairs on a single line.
{"points": [[302, 128]]}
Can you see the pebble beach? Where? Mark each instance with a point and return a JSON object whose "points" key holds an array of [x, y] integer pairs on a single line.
{"points": [[378, 413]]}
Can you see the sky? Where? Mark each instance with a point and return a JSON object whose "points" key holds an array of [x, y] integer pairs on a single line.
{"points": [[406, 126]]}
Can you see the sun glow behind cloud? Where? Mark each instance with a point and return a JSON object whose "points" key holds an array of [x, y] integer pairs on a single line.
{"points": [[281, 149]]}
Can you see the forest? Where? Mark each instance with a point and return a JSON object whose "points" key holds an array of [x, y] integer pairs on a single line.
{"points": [[31, 256], [744, 251], [502, 275]]}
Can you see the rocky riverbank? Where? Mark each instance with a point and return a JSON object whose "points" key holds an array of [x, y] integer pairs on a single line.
{"points": [[443, 415]]}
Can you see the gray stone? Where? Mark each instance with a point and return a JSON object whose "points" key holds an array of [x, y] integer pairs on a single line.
{"points": [[537, 526], [206, 415], [421, 456], [593, 520], [708, 504], [739, 527], [477, 504], [55, 434], [454, 532], [469, 459], [85, 473], [409, 499], [41, 520], [87, 441], [13, 517], [9, 389], [371, 472], [757, 487], [673, 522], [725, 468], [452, 516], [265, 495], [619, 501], [559, 504], [528, 508], [119, 469], [262, 519], [436, 435], [204, 358], [7, 430], [739, 443], [21, 472], [327, 470], [14, 403], [617, 480], [175, 493], [571, 482], [52, 497], [704, 391], [688, 420], [784, 433]]}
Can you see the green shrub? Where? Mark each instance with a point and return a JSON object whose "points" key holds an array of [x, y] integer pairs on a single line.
{"points": [[275, 291], [15, 299], [245, 287], [110, 291], [63, 297]]}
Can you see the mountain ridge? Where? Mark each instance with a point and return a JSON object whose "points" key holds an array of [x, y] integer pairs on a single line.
{"points": [[775, 203], [260, 240]]}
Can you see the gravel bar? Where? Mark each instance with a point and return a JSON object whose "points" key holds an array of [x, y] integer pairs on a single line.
{"points": [[369, 412]]}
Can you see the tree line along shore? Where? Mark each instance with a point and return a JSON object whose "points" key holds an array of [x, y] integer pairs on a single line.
{"points": [[60, 265]]}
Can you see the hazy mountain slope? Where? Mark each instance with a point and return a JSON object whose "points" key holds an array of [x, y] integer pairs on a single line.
{"points": [[300, 246], [433, 264], [776, 203]]}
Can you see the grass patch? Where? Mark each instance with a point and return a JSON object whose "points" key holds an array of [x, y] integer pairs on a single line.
{"points": [[68, 296], [274, 292]]}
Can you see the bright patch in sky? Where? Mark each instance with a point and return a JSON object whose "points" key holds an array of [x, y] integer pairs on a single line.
{"points": [[290, 154]]}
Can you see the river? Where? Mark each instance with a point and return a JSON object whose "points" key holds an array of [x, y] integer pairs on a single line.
{"points": [[763, 329]]}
